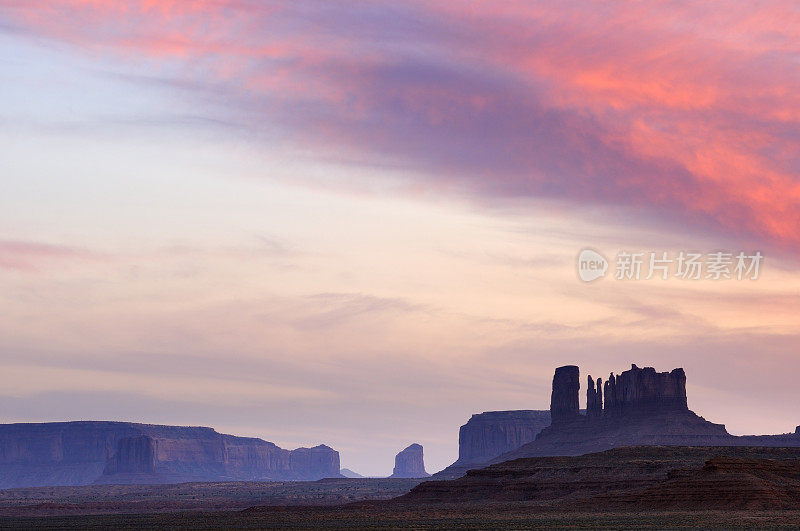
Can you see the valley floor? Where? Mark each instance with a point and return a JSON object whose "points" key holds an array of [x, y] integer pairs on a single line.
{"points": [[368, 518]]}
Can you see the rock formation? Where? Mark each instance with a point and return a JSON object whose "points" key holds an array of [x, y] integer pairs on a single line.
{"points": [[82, 453], [637, 407], [640, 407], [645, 390], [310, 462], [409, 463], [633, 391], [564, 405]]}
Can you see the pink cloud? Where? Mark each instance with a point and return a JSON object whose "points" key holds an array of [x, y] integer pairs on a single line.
{"points": [[683, 113], [31, 256]]}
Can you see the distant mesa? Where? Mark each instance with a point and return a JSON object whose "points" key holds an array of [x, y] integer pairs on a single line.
{"points": [[346, 472], [85, 453], [409, 463]]}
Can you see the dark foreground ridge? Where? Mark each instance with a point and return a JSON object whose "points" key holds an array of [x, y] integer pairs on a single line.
{"points": [[635, 478], [85, 453]]}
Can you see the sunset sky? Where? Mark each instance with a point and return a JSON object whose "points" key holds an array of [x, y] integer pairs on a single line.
{"points": [[356, 222]]}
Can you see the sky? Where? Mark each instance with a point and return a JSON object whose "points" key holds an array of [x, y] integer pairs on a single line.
{"points": [[357, 223]]}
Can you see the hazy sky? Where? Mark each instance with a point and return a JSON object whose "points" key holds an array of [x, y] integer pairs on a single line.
{"points": [[356, 223]]}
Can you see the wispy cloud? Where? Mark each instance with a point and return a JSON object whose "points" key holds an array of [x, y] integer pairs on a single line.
{"points": [[334, 309], [31, 256]]}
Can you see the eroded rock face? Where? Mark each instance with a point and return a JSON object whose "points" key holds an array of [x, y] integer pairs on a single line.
{"points": [[594, 398], [82, 453], [564, 405], [645, 390], [410, 463], [135, 455]]}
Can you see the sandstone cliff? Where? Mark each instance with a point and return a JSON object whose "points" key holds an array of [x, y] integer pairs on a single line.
{"points": [[82, 453], [409, 463]]}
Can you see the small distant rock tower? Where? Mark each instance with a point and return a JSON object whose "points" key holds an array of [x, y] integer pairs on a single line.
{"points": [[410, 463]]}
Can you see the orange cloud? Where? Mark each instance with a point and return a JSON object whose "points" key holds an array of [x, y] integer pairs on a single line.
{"points": [[686, 111]]}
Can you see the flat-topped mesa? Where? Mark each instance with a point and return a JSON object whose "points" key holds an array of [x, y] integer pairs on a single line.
{"points": [[594, 398], [564, 406], [85, 453], [645, 390]]}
